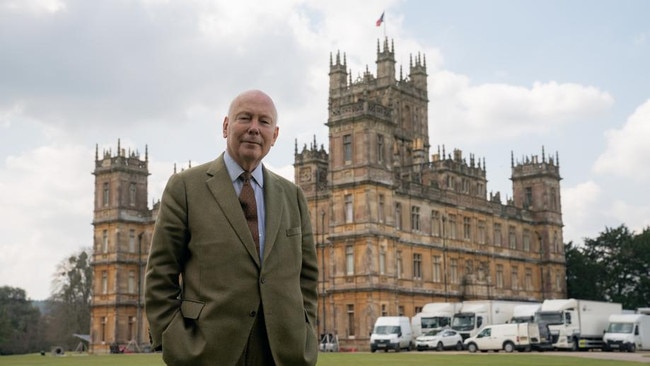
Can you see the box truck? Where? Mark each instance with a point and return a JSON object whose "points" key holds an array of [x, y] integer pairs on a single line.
{"points": [[525, 313], [577, 324], [507, 337], [627, 332], [474, 315], [434, 316], [392, 332]]}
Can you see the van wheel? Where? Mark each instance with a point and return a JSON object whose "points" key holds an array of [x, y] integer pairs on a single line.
{"points": [[574, 345], [398, 347], [472, 347], [631, 348], [440, 347], [459, 346], [509, 347]]}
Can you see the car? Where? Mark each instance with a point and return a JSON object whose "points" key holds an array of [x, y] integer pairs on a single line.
{"points": [[439, 340]]}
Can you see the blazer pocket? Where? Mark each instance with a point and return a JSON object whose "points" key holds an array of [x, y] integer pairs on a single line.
{"points": [[191, 309], [293, 231]]}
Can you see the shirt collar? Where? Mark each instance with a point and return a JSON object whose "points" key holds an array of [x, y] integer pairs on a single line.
{"points": [[234, 170]]}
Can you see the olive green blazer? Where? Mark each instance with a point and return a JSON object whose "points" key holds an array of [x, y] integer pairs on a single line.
{"points": [[204, 281]]}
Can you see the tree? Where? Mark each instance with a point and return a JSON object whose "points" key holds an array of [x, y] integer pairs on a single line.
{"points": [[615, 267], [70, 301], [19, 322]]}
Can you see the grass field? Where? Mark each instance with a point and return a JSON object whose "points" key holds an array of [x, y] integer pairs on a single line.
{"points": [[332, 359]]}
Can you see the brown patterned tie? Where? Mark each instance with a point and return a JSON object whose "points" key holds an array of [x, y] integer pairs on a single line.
{"points": [[248, 204]]}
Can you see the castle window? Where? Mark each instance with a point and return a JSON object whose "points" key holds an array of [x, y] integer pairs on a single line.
{"points": [[499, 279], [528, 199], [398, 216], [417, 266], [350, 308], [399, 264], [415, 218], [498, 238], [131, 241], [105, 241], [132, 190], [515, 278], [452, 227], [453, 270], [400, 310], [435, 223], [131, 283], [467, 228], [556, 243], [380, 209], [553, 199], [558, 281], [347, 148], [529, 279], [349, 260], [382, 261], [380, 148], [437, 268], [106, 194], [384, 311], [349, 213], [102, 335], [482, 232], [104, 282], [512, 237], [526, 241]]}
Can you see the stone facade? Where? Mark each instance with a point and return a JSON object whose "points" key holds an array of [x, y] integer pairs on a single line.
{"points": [[123, 225], [397, 228]]}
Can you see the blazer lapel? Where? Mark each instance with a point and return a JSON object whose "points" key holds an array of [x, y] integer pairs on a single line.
{"points": [[273, 198], [222, 190]]}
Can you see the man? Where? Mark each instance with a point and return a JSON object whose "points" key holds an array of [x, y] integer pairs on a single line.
{"points": [[212, 297]]}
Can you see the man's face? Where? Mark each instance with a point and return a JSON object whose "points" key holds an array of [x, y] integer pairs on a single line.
{"points": [[250, 128]]}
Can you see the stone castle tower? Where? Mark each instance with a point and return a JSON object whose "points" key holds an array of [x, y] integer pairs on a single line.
{"points": [[123, 225], [398, 227]]}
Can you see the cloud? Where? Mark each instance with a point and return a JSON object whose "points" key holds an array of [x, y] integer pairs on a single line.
{"points": [[627, 150], [46, 197], [578, 205], [502, 111]]}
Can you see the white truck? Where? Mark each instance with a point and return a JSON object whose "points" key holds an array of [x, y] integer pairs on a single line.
{"points": [[392, 332], [507, 337], [627, 332], [474, 315], [434, 316], [577, 324], [525, 313]]}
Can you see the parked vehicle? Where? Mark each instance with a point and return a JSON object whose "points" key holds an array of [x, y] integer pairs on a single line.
{"points": [[474, 315], [577, 324], [507, 337], [434, 316], [627, 332], [392, 332], [439, 340], [525, 313]]}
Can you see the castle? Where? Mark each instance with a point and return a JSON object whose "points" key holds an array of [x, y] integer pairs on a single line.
{"points": [[395, 226]]}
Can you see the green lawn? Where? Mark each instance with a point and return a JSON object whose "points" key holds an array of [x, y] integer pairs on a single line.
{"points": [[332, 359]]}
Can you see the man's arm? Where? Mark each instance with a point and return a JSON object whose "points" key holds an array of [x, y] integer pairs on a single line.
{"points": [[166, 259], [309, 271]]}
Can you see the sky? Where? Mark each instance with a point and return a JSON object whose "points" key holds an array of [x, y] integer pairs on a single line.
{"points": [[504, 78]]}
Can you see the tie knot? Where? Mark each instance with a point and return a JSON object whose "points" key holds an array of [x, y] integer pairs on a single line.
{"points": [[245, 176]]}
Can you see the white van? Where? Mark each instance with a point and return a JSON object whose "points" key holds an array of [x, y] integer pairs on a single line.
{"points": [[391, 332], [507, 337]]}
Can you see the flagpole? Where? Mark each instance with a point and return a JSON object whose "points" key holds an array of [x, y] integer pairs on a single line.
{"points": [[384, 24]]}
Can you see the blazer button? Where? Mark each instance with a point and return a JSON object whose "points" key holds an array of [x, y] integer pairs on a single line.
{"points": [[252, 313], [263, 280]]}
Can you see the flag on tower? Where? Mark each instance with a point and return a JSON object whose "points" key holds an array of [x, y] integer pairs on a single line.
{"points": [[380, 20]]}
